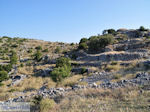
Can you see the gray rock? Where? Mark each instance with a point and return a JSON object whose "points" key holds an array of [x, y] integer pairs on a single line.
{"points": [[17, 79], [45, 72]]}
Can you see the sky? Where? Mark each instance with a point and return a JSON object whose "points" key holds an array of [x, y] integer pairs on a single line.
{"points": [[70, 20]]}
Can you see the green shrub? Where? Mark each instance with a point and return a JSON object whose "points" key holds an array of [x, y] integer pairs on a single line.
{"points": [[111, 31], [58, 74], [99, 42], [38, 48], [29, 51], [3, 75], [74, 56], [142, 28], [83, 46], [83, 70], [46, 105], [83, 40], [114, 63], [37, 56], [72, 44], [37, 100], [57, 50], [45, 50], [14, 45], [21, 65], [62, 69], [13, 58], [62, 61], [7, 67]]}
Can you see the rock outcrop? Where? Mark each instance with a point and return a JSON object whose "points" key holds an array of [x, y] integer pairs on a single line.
{"points": [[123, 56], [17, 79]]}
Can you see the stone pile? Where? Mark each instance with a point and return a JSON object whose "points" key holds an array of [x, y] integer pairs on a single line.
{"points": [[140, 79]]}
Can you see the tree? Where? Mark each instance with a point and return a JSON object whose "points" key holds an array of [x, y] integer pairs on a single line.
{"points": [[104, 32], [3, 75], [99, 42], [38, 48], [142, 28], [62, 61], [37, 56], [62, 69], [58, 74], [83, 40], [109, 31], [13, 58], [6, 68], [83, 46]]}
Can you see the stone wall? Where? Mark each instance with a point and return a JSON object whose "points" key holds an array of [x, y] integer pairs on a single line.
{"points": [[114, 57]]}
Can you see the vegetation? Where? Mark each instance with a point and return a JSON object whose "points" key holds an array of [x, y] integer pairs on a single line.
{"points": [[62, 70], [62, 61], [109, 31], [57, 50], [38, 75], [83, 46], [6, 68], [46, 105], [142, 28], [83, 70], [38, 48], [14, 45], [96, 43], [30, 51], [3, 75], [58, 74], [83, 40], [13, 58], [45, 50], [37, 56]]}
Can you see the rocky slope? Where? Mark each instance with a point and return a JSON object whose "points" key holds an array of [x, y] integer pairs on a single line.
{"points": [[122, 64]]}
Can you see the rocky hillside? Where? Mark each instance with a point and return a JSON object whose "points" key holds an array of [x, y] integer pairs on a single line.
{"points": [[103, 72]]}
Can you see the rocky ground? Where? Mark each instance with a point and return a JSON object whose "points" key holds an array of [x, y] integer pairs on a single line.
{"points": [[121, 65]]}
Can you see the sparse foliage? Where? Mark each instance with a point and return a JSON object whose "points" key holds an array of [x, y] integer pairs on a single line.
{"points": [[62, 70], [13, 58], [3, 75], [37, 56]]}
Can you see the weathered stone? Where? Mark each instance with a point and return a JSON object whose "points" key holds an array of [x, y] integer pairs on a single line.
{"points": [[17, 79]]}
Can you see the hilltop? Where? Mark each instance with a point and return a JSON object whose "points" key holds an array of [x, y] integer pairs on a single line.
{"points": [[102, 72]]}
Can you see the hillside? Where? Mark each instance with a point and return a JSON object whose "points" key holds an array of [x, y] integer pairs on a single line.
{"points": [[103, 73]]}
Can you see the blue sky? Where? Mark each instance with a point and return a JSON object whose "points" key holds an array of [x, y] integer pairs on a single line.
{"points": [[70, 20]]}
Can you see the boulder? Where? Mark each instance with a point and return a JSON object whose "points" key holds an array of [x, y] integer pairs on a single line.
{"points": [[17, 79]]}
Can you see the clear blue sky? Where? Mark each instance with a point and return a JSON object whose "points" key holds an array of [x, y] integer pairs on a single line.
{"points": [[70, 20]]}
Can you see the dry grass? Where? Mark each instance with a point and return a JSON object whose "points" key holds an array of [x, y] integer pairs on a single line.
{"points": [[34, 83], [83, 83], [70, 81], [27, 70], [41, 67], [98, 100], [111, 68]]}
